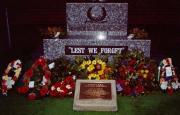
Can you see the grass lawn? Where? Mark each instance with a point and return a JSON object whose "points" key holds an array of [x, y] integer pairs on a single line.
{"points": [[155, 103]]}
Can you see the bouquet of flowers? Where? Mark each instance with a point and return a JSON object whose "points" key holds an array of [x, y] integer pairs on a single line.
{"points": [[63, 67], [52, 32], [137, 33], [63, 88], [135, 74]]}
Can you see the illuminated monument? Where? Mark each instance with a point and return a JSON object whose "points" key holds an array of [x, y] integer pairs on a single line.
{"points": [[94, 28]]}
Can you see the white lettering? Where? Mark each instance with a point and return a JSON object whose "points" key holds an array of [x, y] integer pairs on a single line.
{"points": [[111, 50], [77, 50], [92, 50]]}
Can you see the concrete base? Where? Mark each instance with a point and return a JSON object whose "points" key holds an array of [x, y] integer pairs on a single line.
{"points": [[96, 96]]}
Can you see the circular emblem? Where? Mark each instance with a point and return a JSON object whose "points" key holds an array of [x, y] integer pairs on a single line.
{"points": [[96, 13]]}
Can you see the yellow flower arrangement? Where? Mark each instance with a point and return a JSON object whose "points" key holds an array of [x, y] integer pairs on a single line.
{"points": [[95, 68]]}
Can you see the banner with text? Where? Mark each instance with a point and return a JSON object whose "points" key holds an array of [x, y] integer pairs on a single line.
{"points": [[94, 50]]}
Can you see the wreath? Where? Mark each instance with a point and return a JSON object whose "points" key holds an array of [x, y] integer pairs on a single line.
{"points": [[36, 80], [11, 75], [95, 69], [167, 77], [94, 18]]}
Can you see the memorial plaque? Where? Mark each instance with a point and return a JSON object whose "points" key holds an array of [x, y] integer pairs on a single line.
{"points": [[95, 95], [95, 91]]}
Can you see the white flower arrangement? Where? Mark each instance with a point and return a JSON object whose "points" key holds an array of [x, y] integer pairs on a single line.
{"points": [[7, 80]]}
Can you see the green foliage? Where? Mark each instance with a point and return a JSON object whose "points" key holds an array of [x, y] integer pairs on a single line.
{"points": [[61, 70]]}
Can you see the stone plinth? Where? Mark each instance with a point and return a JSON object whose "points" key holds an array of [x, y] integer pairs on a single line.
{"points": [[55, 48], [95, 95]]}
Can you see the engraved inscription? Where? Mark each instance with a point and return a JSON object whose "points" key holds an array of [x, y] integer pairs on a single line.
{"points": [[95, 91]]}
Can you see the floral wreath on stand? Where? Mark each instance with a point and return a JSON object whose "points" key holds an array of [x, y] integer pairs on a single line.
{"points": [[36, 80], [11, 75], [167, 77]]}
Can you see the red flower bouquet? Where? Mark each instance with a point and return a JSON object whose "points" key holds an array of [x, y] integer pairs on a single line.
{"points": [[63, 88]]}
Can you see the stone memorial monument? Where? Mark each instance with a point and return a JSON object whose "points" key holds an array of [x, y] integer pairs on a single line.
{"points": [[95, 95], [94, 28]]}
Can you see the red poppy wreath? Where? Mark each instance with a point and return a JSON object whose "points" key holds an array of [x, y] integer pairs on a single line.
{"points": [[36, 80]]}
